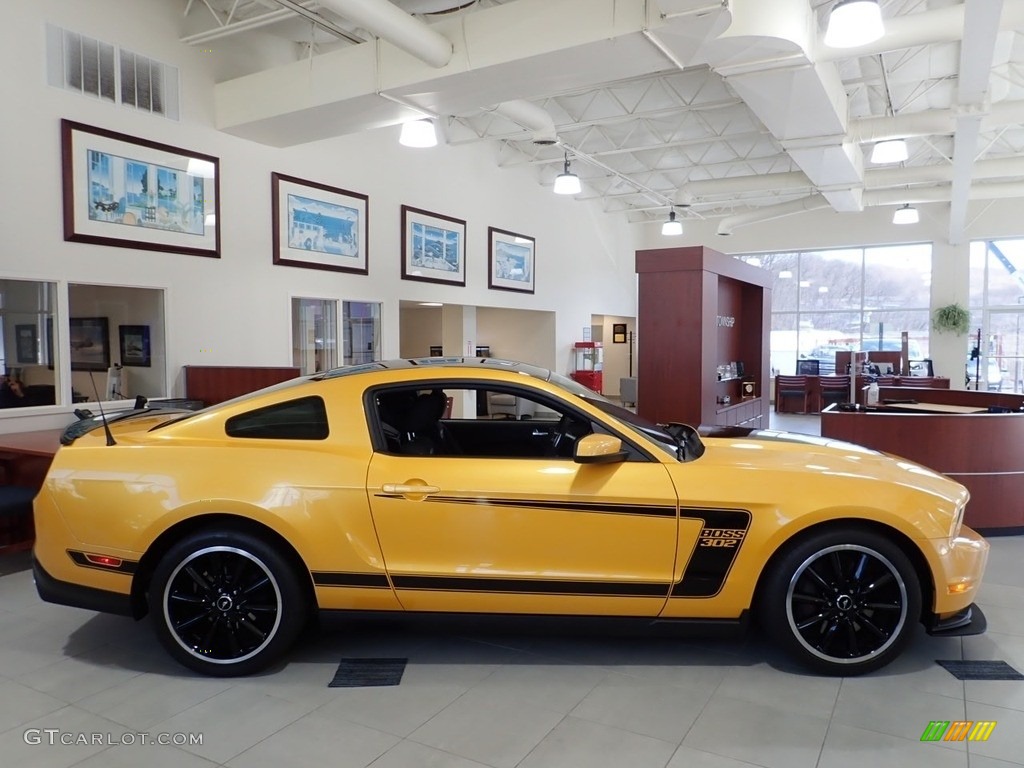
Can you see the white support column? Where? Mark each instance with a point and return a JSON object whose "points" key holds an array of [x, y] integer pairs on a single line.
{"points": [[458, 338], [950, 283]]}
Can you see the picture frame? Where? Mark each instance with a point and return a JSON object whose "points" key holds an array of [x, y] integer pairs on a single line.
{"points": [[318, 226], [134, 345], [26, 343], [618, 333], [126, 192], [90, 343], [511, 261], [433, 247]]}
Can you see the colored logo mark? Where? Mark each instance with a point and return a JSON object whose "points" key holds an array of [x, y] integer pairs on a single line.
{"points": [[958, 730]]}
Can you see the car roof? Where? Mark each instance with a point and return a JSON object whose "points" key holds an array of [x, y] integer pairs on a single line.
{"points": [[461, 363]]}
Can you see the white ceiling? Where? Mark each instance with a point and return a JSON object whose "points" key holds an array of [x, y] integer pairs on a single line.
{"points": [[734, 109]]}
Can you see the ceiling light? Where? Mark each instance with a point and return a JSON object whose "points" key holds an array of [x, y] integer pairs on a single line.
{"points": [[894, 151], [785, 275], [431, 304], [418, 133], [567, 183], [853, 23], [672, 227], [905, 215]]}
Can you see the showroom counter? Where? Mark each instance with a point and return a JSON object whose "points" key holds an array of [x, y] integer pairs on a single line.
{"points": [[983, 451]]}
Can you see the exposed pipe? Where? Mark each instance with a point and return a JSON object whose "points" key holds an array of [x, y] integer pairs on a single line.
{"points": [[768, 212], [529, 116], [390, 23]]}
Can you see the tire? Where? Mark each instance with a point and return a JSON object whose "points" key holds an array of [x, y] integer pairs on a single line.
{"points": [[225, 603], [841, 602]]}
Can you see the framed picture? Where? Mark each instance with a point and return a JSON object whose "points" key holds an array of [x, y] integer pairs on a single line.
{"points": [[433, 247], [618, 333], [318, 226], [510, 266], [134, 342], [27, 343], [90, 344], [132, 193]]}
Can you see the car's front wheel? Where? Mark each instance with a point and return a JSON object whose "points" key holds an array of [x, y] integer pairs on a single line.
{"points": [[842, 602], [226, 603]]}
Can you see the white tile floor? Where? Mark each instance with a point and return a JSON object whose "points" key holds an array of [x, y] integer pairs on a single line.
{"points": [[499, 698]]}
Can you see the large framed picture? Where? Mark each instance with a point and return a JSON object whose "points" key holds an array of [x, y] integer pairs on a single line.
{"points": [[134, 343], [433, 247], [318, 226], [27, 343], [510, 266], [90, 344], [132, 193]]}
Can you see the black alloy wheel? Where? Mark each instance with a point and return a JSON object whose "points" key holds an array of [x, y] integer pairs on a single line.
{"points": [[225, 603], [843, 602]]}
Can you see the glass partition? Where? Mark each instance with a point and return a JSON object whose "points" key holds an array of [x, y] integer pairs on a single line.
{"points": [[28, 358]]}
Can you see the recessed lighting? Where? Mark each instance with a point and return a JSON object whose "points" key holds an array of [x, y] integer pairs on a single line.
{"points": [[431, 304]]}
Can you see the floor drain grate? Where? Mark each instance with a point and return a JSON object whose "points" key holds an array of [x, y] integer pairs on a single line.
{"points": [[981, 670], [357, 673]]}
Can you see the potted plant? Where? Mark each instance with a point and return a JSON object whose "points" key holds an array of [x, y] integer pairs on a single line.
{"points": [[952, 318]]}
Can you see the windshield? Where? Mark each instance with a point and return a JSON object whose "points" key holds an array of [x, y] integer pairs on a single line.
{"points": [[650, 430]]}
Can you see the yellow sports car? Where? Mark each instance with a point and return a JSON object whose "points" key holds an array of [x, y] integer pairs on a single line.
{"points": [[396, 486]]}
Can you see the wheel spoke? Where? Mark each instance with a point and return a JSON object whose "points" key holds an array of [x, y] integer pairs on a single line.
{"points": [[884, 606], [837, 565], [197, 577], [851, 636], [802, 598], [264, 581], [184, 625], [862, 562], [825, 586], [188, 599], [248, 625], [880, 582], [872, 627], [817, 619]]}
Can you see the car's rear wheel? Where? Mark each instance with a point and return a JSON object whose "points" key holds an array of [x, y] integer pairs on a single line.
{"points": [[226, 603], [842, 602]]}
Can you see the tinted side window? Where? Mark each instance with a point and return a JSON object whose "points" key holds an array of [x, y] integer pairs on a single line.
{"points": [[302, 419]]}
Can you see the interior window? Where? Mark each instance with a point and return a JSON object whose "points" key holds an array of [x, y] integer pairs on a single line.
{"points": [[469, 421], [302, 419]]}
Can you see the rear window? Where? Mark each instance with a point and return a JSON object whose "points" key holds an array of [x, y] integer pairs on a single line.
{"points": [[302, 419]]}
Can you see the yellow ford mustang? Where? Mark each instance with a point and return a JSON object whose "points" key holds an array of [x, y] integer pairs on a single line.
{"points": [[396, 487]]}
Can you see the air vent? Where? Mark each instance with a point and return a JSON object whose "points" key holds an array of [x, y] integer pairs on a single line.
{"points": [[94, 68]]}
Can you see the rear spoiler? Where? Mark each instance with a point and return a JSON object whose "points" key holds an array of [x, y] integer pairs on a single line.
{"points": [[84, 426]]}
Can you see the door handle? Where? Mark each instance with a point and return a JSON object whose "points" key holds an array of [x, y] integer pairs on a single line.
{"points": [[406, 489]]}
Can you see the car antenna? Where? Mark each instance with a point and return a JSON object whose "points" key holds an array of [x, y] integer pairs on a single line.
{"points": [[103, 416]]}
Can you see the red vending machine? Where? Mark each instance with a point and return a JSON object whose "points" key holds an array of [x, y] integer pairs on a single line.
{"points": [[589, 360]]}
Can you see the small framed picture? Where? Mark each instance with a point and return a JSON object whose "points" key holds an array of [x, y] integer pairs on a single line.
{"points": [[618, 333], [511, 263], [433, 247], [27, 340], [90, 344], [134, 341], [317, 226]]}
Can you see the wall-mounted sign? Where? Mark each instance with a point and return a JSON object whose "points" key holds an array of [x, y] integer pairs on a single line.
{"points": [[726, 321]]}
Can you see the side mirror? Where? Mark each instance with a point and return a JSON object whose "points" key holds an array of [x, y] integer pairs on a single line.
{"points": [[599, 449]]}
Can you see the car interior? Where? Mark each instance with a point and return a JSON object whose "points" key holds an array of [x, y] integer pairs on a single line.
{"points": [[418, 422]]}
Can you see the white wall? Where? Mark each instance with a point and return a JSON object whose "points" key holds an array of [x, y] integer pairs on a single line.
{"points": [[235, 310]]}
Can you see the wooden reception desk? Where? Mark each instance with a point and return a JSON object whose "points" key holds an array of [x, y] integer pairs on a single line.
{"points": [[952, 432]]}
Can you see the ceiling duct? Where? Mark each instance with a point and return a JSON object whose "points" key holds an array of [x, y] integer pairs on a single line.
{"points": [[531, 117], [384, 20]]}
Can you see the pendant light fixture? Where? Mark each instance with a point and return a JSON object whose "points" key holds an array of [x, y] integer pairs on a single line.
{"points": [[567, 183], [907, 214], [418, 133], [672, 227], [854, 22]]}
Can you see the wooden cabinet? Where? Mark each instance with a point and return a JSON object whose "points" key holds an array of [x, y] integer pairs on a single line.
{"points": [[699, 309]]}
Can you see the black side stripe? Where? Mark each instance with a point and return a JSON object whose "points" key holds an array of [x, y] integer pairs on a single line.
{"points": [[342, 579], [655, 510], [529, 586], [708, 567]]}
